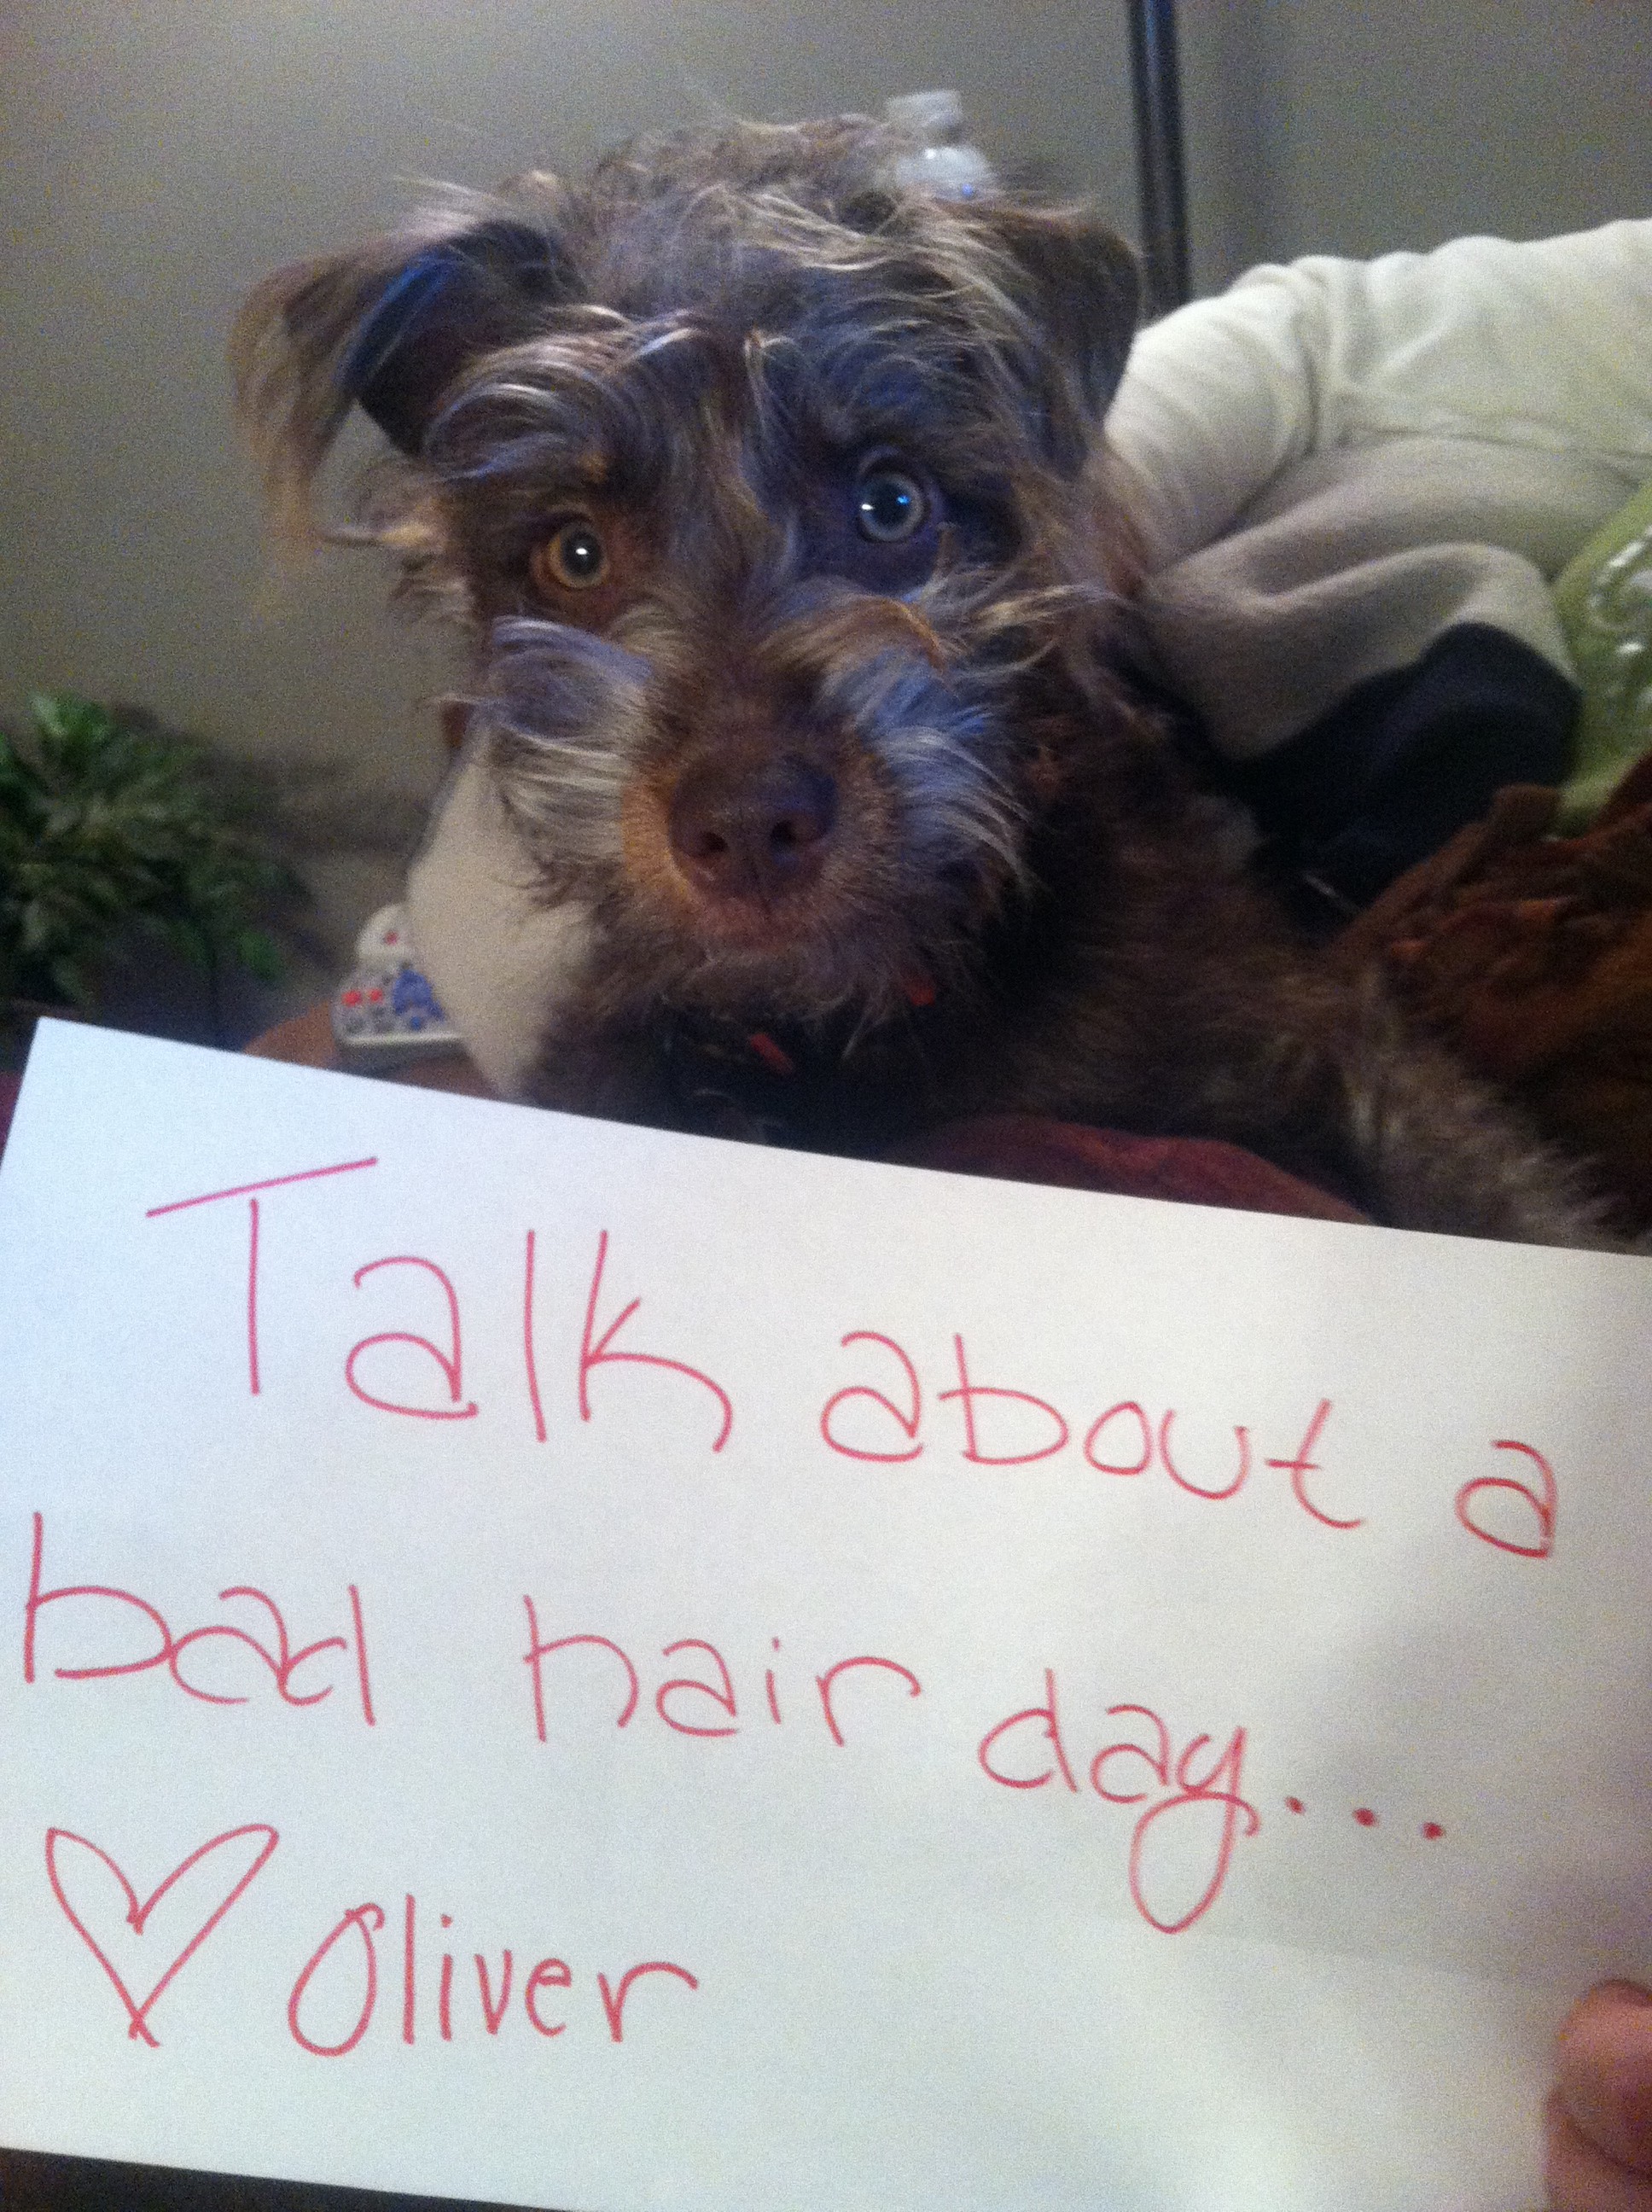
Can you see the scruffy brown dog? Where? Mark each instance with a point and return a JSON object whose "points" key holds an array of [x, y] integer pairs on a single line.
{"points": [[772, 486]]}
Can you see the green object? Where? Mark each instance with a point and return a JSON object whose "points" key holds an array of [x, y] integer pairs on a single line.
{"points": [[1604, 596], [106, 820]]}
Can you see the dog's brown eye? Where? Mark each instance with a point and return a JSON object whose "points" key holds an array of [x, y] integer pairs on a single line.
{"points": [[575, 559], [889, 507]]}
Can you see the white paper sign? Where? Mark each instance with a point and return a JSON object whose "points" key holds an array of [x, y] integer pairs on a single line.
{"points": [[568, 1665]]}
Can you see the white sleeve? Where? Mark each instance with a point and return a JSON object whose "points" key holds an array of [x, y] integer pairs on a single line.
{"points": [[1545, 345]]}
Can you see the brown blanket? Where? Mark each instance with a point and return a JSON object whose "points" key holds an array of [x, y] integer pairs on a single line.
{"points": [[1531, 955]]}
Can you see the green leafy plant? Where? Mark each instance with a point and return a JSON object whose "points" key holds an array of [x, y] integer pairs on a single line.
{"points": [[107, 821]]}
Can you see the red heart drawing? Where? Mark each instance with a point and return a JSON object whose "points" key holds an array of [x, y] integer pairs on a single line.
{"points": [[136, 1916]]}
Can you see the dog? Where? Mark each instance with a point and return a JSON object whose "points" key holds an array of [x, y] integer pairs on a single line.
{"points": [[771, 485]]}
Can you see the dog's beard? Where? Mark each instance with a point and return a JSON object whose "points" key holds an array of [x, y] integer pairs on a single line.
{"points": [[931, 841]]}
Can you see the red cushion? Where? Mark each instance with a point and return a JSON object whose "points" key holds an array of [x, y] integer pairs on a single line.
{"points": [[1199, 1170]]}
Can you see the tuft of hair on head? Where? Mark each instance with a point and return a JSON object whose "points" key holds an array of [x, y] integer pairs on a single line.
{"points": [[1049, 293]]}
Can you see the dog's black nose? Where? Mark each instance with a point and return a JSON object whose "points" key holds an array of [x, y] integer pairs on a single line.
{"points": [[762, 833]]}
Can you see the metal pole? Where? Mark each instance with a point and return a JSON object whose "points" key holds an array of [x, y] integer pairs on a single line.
{"points": [[1161, 170]]}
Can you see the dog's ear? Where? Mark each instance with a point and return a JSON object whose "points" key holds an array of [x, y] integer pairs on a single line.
{"points": [[390, 327], [466, 297], [1088, 293], [1076, 285]]}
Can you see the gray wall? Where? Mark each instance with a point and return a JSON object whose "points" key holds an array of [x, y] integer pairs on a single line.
{"points": [[1409, 122], [162, 154]]}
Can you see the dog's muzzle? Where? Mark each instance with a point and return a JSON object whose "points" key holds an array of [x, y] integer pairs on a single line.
{"points": [[755, 835]]}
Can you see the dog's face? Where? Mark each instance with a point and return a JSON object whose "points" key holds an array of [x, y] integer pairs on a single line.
{"points": [[764, 483]]}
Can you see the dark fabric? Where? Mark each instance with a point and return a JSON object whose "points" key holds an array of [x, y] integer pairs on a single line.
{"points": [[1404, 761], [31, 2181]]}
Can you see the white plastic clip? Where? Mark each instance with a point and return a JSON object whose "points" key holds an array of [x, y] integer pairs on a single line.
{"points": [[935, 160]]}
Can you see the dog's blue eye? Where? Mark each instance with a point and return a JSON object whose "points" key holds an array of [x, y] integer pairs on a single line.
{"points": [[575, 558], [888, 506]]}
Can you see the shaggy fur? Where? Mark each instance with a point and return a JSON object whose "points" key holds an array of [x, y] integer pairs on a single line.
{"points": [[774, 496]]}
